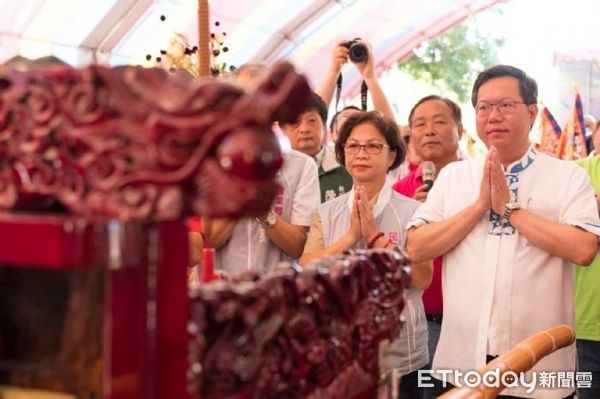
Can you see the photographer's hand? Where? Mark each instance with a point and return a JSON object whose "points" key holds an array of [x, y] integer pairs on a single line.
{"points": [[339, 56]]}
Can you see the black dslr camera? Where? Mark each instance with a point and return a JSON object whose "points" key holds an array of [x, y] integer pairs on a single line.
{"points": [[357, 51]]}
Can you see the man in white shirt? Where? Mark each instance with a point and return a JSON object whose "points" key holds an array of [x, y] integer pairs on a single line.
{"points": [[259, 244], [510, 225]]}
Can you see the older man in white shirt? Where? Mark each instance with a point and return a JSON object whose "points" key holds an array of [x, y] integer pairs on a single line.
{"points": [[510, 226]]}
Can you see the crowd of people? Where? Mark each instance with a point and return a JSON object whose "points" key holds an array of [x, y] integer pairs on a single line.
{"points": [[499, 243]]}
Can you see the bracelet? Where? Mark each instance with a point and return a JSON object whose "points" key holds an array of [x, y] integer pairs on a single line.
{"points": [[375, 238], [387, 244]]}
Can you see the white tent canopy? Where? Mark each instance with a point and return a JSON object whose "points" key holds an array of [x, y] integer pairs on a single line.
{"points": [[120, 32]]}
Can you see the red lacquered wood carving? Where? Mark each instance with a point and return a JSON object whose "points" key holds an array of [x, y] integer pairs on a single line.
{"points": [[98, 169], [133, 143], [293, 334]]}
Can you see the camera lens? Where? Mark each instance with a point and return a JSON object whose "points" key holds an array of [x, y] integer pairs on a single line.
{"points": [[358, 52]]}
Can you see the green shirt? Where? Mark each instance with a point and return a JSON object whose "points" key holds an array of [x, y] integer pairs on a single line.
{"points": [[587, 279]]}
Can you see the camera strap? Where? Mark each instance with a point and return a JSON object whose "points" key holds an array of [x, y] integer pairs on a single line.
{"points": [[338, 90], [363, 93]]}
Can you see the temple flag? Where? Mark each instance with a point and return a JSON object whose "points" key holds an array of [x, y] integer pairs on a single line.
{"points": [[550, 133], [572, 143]]}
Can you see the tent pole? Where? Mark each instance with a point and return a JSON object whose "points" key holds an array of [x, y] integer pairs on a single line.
{"points": [[203, 40]]}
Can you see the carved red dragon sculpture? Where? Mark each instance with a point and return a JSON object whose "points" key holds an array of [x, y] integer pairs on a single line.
{"points": [[133, 143], [291, 333]]}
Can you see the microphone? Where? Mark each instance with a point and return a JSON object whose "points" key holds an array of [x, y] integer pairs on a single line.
{"points": [[428, 170]]}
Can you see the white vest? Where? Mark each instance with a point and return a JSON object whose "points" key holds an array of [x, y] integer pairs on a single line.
{"points": [[392, 212]]}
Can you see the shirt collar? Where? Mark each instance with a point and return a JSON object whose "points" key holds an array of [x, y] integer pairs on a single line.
{"points": [[329, 161], [521, 164], [319, 156]]}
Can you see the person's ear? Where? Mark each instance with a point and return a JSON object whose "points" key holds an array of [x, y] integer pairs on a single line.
{"points": [[391, 158], [461, 130], [533, 111]]}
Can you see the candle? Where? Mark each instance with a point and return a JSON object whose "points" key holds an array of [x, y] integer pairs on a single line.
{"points": [[208, 265]]}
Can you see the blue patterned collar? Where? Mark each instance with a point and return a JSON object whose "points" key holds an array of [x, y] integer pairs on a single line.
{"points": [[520, 165], [498, 225]]}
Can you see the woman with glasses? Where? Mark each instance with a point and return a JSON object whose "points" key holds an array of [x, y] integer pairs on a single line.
{"points": [[372, 215]]}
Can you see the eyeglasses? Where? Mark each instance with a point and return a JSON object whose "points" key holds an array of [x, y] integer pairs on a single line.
{"points": [[370, 148], [505, 107]]}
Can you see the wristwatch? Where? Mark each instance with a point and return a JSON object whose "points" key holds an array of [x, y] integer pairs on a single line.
{"points": [[509, 208], [269, 220]]}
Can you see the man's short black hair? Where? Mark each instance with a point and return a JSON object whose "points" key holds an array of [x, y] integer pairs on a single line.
{"points": [[527, 86], [316, 103]]}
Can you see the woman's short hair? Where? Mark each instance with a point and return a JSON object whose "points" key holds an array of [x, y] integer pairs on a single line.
{"points": [[387, 127]]}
